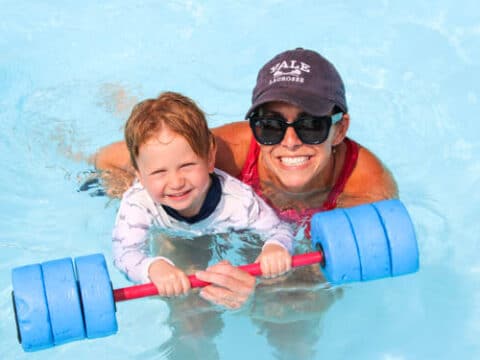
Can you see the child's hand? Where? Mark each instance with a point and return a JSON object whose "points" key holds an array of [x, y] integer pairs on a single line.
{"points": [[274, 260], [168, 279]]}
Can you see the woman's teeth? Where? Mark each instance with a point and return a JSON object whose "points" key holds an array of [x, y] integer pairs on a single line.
{"points": [[292, 161]]}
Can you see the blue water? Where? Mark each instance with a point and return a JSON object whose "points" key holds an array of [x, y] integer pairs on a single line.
{"points": [[70, 72]]}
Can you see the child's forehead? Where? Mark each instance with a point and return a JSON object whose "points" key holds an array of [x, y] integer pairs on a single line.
{"points": [[165, 148], [163, 136]]}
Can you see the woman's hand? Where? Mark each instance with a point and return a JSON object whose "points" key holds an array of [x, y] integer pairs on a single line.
{"points": [[230, 287]]}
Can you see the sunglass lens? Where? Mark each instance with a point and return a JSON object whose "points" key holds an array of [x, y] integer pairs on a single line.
{"points": [[269, 131], [313, 130]]}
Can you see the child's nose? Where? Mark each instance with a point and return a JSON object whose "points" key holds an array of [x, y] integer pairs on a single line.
{"points": [[176, 181]]}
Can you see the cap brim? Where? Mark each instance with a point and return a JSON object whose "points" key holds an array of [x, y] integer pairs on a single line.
{"points": [[307, 102]]}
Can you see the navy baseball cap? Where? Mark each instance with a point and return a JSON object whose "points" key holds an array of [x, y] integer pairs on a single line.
{"points": [[303, 78]]}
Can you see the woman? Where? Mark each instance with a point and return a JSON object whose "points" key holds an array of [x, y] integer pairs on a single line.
{"points": [[298, 157]]}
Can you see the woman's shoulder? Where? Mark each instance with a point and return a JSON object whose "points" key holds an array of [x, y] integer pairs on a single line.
{"points": [[370, 180], [233, 141]]}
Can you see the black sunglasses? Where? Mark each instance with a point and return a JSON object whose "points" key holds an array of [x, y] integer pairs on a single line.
{"points": [[269, 129]]}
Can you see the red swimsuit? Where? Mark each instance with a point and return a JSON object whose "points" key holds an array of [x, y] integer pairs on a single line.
{"points": [[249, 175]]}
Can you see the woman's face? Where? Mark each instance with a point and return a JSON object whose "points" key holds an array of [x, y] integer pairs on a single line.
{"points": [[293, 165]]}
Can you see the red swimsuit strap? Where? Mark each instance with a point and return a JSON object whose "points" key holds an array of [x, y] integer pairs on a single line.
{"points": [[249, 173], [351, 157]]}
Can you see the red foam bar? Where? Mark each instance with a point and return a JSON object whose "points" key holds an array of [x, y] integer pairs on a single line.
{"points": [[144, 290]]}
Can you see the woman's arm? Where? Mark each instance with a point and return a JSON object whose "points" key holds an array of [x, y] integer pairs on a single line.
{"points": [[117, 173], [114, 156], [370, 181], [233, 141]]}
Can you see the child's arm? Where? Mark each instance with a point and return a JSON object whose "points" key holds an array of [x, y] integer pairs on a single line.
{"points": [[168, 279], [275, 258], [129, 239], [130, 249]]}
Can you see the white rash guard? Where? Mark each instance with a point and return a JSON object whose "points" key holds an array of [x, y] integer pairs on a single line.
{"points": [[239, 208]]}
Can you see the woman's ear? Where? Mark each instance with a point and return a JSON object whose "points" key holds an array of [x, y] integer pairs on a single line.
{"points": [[341, 129]]}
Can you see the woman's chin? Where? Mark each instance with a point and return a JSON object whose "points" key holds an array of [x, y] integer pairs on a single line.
{"points": [[294, 185]]}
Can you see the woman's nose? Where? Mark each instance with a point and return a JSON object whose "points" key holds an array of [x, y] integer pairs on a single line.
{"points": [[291, 140]]}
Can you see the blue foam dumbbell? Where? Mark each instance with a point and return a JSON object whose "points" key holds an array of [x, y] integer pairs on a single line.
{"points": [[332, 234], [31, 309], [401, 237], [97, 296], [356, 244], [54, 305], [64, 306], [379, 238]]}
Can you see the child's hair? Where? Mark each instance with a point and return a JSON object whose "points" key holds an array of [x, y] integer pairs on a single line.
{"points": [[178, 113]]}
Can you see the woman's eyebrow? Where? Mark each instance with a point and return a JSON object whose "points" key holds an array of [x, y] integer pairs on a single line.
{"points": [[270, 113]]}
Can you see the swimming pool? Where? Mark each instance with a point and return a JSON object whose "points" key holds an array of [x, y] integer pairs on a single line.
{"points": [[70, 74]]}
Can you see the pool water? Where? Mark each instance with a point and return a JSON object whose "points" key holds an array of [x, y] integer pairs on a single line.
{"points": [[70, 73]]}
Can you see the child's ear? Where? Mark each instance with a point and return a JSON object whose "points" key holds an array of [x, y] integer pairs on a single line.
{"points": [[211, 157], [139, 177], [341, 129]]}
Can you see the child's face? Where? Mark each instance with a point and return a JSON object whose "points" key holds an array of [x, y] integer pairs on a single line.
{"points": [[173, 174]]}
